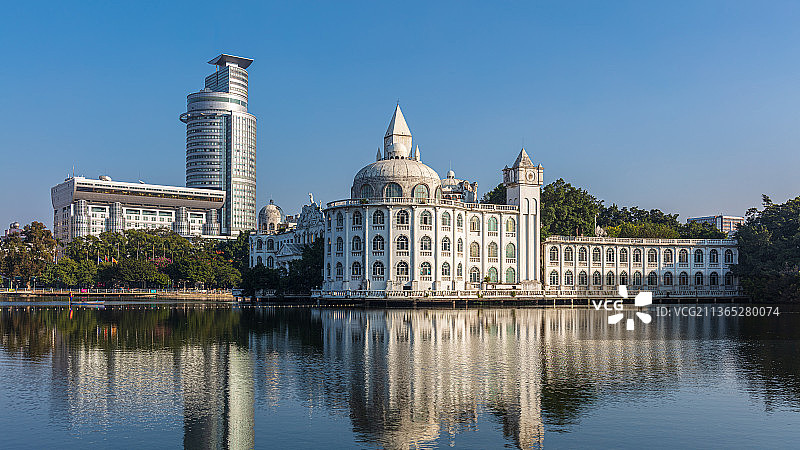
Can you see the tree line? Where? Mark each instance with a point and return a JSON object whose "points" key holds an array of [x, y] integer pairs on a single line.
{"points": [[132, 258]]}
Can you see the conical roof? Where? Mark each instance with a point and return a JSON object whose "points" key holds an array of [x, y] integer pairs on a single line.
{"points": [[523, 160], [398, 125]]}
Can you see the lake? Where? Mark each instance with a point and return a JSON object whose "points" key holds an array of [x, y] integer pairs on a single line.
{"points": [[166, 375]]}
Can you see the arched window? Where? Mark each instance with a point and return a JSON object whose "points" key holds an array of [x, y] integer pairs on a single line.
{"points": [[698, 256], [270, 262], [438, 193], [259, 244], [610, 255], [511, 225], [446, 269], [583, 279], [377, 218], [610, 278], [474, 275], [667, 257], [683, 257], [357, 218], [474, 250], [393, 190], [492, 250], [637, 278], [271, 227], [597, 279], [474, 224], [355, 270], [491, 224], [596, 255], [568, 278], [339, 244], [421, 191], [377, 270], [445, 219], [446, 244], [366, 191], [270, 244], [728, 279], [623, 278], [683, 279], [623, 255], [459, 270], [425, 269], [425, 244], [713, 256], [339, 271], [568, 254], [356, 243], [425, 218], [668, 279], [554, 278], [402, 269], [339, 220], [554, 253], [259, 261], [460, 221], [328, 270], [713, 279], [652, 256], [492, 274], [329, 245], [377, 244], [637, 255], [402, 242], [511, 275], [511, 251], [729, 256], [460, 246], [582, 254], [402, 217], [698, 279], [652, 279]]}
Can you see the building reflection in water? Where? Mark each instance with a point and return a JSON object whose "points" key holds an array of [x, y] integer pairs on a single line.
{"points": [[403, 377]]}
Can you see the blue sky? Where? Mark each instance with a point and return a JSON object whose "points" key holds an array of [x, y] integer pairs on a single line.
{"points": [[690, 107]]}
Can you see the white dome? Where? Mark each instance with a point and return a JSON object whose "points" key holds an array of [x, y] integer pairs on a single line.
{"points": [[398, 149], [405, 172], [451, 174], [270, 215]]}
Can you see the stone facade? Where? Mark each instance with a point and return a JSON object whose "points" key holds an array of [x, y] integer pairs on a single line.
{"points": [[280, 239]]}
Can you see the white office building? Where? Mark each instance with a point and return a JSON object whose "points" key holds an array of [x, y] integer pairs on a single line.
{"points": [[84, 207], [221, 142]]}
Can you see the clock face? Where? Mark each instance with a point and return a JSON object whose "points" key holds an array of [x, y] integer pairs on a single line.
{"points": [[531, 176]]}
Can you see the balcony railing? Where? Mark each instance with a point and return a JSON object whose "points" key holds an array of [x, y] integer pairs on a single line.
{"points": [[419, 201]]}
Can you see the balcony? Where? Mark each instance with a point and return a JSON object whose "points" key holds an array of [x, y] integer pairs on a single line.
{"points": [[339, 253], [378, 227], [357, 253], [446, 228], [492, 233], [339, 228], [401, 278], [471, 259], [511, 260], [511, 234], [426, 227], [493, 260], [355, 227], [426, 278], [446, 254], [377, 253], [401, 227], [426, 253], [402, 253]]}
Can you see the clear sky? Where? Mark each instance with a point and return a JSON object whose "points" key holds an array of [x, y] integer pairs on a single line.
{"points": [[690, 107]]}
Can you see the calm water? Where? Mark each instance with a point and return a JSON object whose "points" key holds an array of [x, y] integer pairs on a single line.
{"points": [[172, 375]]}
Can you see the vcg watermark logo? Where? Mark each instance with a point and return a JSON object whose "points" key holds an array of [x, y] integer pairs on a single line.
{"points": [[643, 298]]}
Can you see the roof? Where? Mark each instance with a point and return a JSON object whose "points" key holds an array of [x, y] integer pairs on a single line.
{"points": [[224, 59], [398, 125], [523, 160]]}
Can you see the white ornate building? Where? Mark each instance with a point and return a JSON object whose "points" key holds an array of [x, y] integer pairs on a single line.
{"points": [[281, 238], [406, 228]]}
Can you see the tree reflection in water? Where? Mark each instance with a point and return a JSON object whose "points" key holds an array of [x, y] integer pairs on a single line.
{"points": [[403, 377]]}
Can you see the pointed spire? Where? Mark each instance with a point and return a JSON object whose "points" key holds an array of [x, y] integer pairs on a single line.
{"points": [[417, 155], [523, 160], [379, 157], [398, 125]]}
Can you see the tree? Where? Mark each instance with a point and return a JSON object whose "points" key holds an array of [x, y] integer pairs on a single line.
{"points": [[769, 252], [567, 210], [496, 196]]}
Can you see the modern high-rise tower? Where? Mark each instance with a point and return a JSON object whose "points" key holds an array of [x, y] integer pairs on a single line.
{"points": [[221, 142]]}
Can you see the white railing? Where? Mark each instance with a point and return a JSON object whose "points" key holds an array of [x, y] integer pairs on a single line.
{"points": [[642, 241], [419, 201]]}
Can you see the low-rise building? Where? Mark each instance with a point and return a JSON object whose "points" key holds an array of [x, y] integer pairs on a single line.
{"points": [[280, 238], [726, 224], [84, 207]]}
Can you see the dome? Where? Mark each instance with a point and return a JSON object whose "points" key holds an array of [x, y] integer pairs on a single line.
{"points": [[451, 174], [398, 150], [407, 173], [270, 217]]}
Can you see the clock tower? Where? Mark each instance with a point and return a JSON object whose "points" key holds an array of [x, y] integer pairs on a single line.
{"points": [[523, 182]]}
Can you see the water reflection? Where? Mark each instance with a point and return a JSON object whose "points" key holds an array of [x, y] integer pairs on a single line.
{"points": [[399, 377]]}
